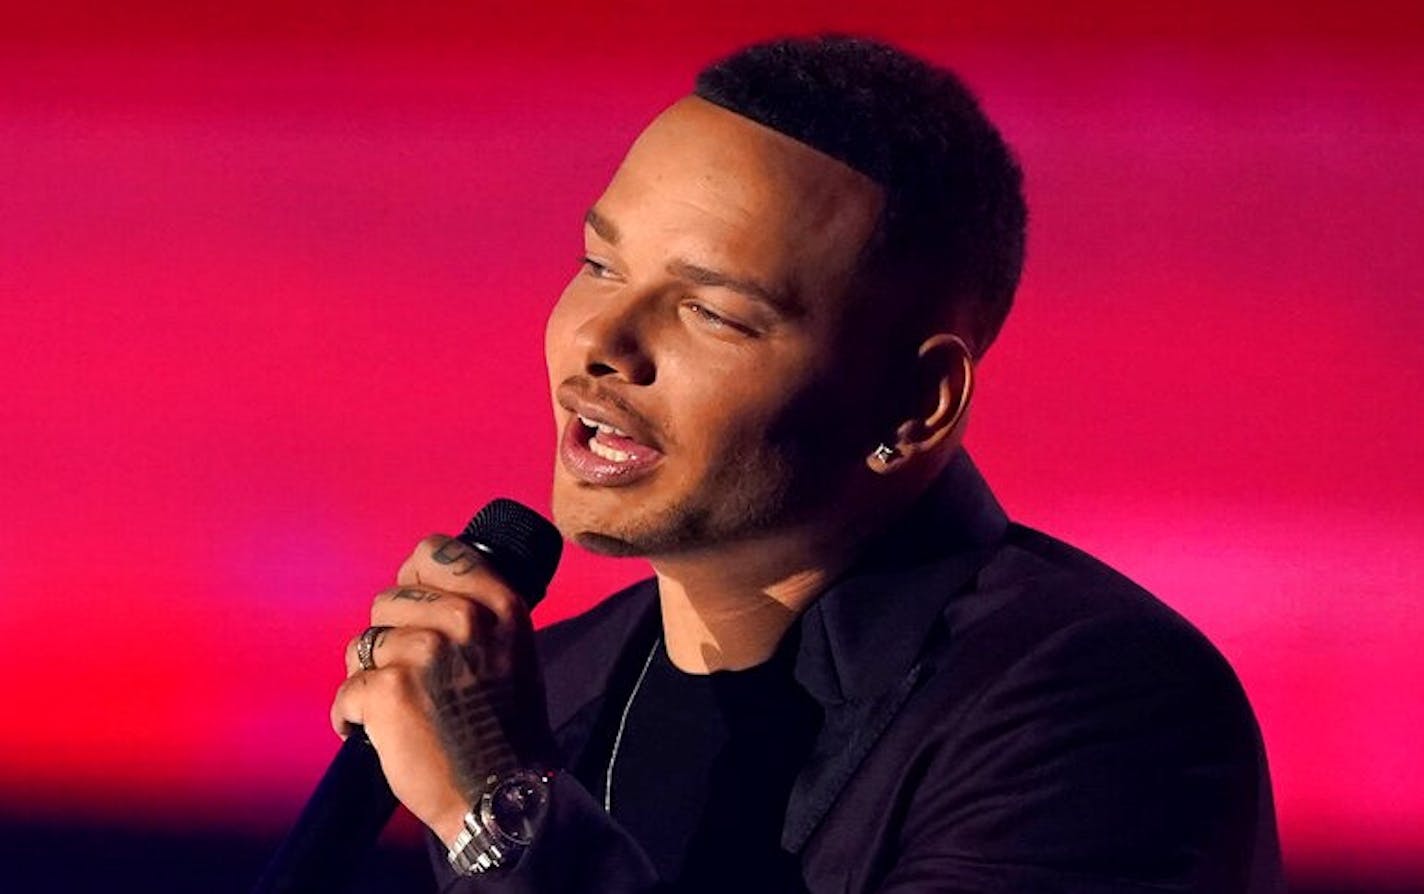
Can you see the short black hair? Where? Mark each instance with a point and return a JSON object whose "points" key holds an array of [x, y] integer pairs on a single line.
{"points": [[953, 225]]}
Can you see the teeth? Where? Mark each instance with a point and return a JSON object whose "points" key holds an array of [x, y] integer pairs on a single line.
{"points": [[603, 427], [607, 452]]}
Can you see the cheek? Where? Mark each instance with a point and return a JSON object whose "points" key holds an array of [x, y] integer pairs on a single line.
{"points": [[738, 410], [819, 425]]}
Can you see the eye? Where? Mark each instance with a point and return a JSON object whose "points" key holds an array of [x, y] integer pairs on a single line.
{"points": [[594, 268], [710, 316], [715, 320]]}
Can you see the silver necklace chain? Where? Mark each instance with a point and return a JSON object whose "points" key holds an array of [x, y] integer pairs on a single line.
{"points": [[622, 722]]}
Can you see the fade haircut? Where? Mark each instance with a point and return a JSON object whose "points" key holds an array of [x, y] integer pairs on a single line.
{"points": [[951, 233]]}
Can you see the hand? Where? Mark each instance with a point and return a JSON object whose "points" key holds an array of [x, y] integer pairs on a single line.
{"points": [[456, 693]]}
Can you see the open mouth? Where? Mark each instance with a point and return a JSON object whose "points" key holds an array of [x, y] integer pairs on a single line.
{"points": [[611, 443], [601, 453]]}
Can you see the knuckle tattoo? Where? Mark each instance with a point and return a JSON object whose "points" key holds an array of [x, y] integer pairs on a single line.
{"points": [[457, 556], [415, 594]]}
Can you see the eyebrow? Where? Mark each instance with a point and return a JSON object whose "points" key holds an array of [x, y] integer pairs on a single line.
{"points": [[702, 276], [778, 300], [601, 225]]}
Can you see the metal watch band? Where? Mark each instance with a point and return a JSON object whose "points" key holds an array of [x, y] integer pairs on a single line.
{"points": [[481, 844], [474, 850]]}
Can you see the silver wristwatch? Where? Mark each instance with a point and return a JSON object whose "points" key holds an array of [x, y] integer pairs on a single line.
{"points": [[498, 829]]}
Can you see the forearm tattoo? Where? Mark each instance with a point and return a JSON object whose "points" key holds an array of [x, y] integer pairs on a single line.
{"points": [[479, 728], [477, 713]]}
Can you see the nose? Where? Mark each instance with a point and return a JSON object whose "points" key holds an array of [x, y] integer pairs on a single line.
{"points": [[614, 341]]}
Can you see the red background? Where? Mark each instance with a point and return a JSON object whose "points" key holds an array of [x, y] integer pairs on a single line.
{"points": [[272, 286]]}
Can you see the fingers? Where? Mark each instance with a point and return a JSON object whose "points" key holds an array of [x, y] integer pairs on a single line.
{"points": [[465, 619], [449, 612], [381, 700], [443, 563], [453, 685], [425, 773], [385, 686], [419, 647], [440, 554]]}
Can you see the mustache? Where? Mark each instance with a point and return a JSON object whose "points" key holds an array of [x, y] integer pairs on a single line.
{"points": [[587, 389]]}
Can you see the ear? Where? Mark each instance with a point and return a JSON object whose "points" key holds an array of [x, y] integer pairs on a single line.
{"points": [[944, 384]]}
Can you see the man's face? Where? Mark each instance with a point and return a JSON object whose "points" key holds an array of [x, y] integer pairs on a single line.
{"points": [[712, 334]]}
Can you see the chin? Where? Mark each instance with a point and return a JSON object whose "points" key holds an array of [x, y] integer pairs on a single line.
{"points": [[607, 545], [667, 518], [615, 522], [587, 515]]}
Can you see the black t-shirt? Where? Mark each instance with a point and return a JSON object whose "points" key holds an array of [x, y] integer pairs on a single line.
{"points": [[705, 766]]}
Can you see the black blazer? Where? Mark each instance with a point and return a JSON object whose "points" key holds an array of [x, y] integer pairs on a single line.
{"points": [[1003, 713]]}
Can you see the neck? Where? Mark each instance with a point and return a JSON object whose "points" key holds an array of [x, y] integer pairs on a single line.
{"points": [[728, 608]]}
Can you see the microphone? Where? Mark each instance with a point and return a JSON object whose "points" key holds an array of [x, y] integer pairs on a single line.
{"points": [[352, 802]]}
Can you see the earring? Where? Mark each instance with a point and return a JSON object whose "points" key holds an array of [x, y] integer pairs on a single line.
{"points": [[884, 453]]}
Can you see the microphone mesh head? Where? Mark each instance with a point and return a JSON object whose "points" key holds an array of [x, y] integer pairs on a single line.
{"points": [[523, 545]]}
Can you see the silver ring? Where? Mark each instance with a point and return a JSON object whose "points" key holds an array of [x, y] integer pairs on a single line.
{"points": [[366, 647]]}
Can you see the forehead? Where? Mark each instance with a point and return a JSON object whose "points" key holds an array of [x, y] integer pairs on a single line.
{"points": [[707, 183]]}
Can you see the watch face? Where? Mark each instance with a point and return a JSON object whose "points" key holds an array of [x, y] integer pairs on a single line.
{"points": [[517, 804]]}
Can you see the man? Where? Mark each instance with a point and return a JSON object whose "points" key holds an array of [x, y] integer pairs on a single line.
{"points": [[850, 672]]}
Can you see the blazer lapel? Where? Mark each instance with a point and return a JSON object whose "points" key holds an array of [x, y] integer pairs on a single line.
{"points": [[849, 732], [862, 684], [862, 640]]}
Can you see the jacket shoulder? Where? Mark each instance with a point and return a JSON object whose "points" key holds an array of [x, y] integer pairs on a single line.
{"points": [[1111, 719], [1031, 562], [1041, 604], [1033, 574]]}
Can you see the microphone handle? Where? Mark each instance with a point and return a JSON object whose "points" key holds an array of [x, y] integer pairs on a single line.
{"points": [[340, 824]]}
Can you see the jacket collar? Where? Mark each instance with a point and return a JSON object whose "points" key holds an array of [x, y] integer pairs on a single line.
{"points": [[864, 632], [861, 642]]}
